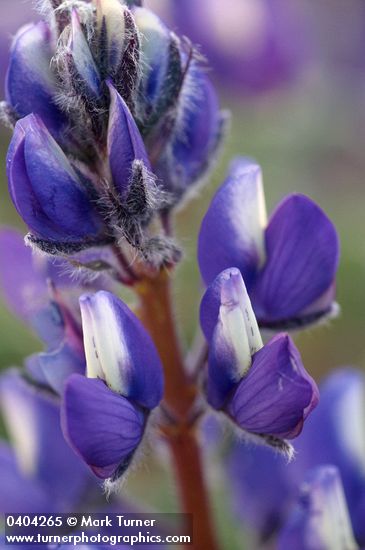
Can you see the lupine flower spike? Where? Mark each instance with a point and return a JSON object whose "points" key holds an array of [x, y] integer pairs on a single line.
{"points": [[115, 124]]}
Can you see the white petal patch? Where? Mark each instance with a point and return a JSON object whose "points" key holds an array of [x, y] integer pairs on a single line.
{"points": [[107, 356], [113, 13], [238, 25], [251, 216], [93, 365], [238, 320], [82, 56], [19, 416]]}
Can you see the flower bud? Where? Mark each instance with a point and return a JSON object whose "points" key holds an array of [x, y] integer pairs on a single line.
{"points": [[46, 190], [192, 147], [84, 73], [30, 85], [155, 46], [125, 144]]}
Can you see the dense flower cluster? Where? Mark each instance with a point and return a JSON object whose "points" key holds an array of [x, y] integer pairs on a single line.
{"points": [[115, 121]]}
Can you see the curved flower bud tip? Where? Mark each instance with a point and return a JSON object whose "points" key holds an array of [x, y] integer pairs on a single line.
{"points": [[290, 286], [125, 144], [46, 190], [85, 69], [264, 389], [104, 415], [30, 85], [321, 518]]}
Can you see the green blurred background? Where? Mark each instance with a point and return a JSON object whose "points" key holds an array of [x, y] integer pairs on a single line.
{"points": [[309, 137]]}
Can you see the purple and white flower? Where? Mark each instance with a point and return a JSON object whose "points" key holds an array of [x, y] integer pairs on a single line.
{"points": [[104, 414], [288, 263], [264, 389]]}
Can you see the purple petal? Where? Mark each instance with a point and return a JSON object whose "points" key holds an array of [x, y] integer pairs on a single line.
{"points": [[251, 47], [33, 423], [277, 394], [201, 122], [19, 493], [34, 369], [30, 86], [155, 46], [302, 258], [21, 192], [320, 519], [101, 426], [231, 234], [119, 350], [193, 145], [125, 143], [55, 183]]}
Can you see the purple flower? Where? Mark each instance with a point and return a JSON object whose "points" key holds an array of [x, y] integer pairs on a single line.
{"points": [[288, 263], [334, 435], [264, 389], [320, 519], [47, 191], [105, 414], [252, 45], [329, 437], [39, 472]]}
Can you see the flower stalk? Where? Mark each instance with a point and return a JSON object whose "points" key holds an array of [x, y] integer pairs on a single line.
{"points": [[157, 315]]}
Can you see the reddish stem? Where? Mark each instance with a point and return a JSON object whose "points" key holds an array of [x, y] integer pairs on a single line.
{"points": [[180, 395]]}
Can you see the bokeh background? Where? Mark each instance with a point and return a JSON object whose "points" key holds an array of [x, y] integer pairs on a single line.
{"points": [[302, 117]]}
